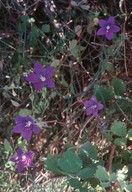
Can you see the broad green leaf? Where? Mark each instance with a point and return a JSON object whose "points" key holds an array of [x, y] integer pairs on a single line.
{"points": [[25, 19], [87, 173], [109, 67], [127, 155], [85, 7], [129, 136], [119, 128], [87, 153], [118, 85], [124, 104], [70, 163], [46, 28], [24, 112], [121, 142], [55, 62], [106, 184], [129, 174], [129, 187], [74, 48], [113, 177], [51, 163], [22, 27], [103, 93], [94, 181], [14, 103], [84, 189], [7, 146], [75, 183], [33, 36], [101, 173]]}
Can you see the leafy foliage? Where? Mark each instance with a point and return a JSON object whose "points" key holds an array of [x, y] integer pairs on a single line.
{"points": [[76, 148]]}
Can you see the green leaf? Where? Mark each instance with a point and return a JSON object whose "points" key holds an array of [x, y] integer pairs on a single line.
{"points": [[74, 48], [46, 28], [51, 163], [103, 93], [120, 142], [87, 173], [85, 7], [25, 19], [127, 155], [94, 182], [87, 153], [101, 173], [124, 104], [85, 190], [70, 163], [109, 67], [106, 184], [129, 187], [24, 112], [113, 177], [7, 146], [119, 128], [118, 85], [33, 36], [129, 136], [75, 183], [55, 63], [63, 81], [22, 27], [14, 103]]}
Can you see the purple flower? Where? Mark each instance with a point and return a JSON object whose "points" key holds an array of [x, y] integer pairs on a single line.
{"points": [[41, 77], [93, 106], [108, 28], [23, 159], [26, 126]]}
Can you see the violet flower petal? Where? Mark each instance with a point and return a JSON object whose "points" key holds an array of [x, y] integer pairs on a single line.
{"points": [[100, 106], [29, 118], [39, 86], [31, 164], [49, 71], [87, 103], [88, 111], [36, 129], [18, 128], [20, 166], [14, 159], [38, 68], [20, 119], [111, 20], [109, 35], [27, 134], [30, 154], [33, 78], [115, 28], [50, 83], [101, 31], [95, 113], [19, 152], [102, 23]]}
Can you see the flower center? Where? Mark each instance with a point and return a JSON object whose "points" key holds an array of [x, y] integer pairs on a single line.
{"points": [[42, 78], [28, 124], [24, 157], [94, 107], [107, 28]]}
